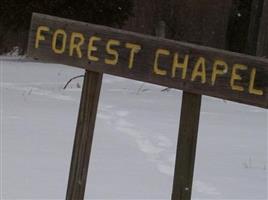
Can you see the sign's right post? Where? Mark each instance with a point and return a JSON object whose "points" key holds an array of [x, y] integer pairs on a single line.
{"points": [[191, 106], [186, 148]]}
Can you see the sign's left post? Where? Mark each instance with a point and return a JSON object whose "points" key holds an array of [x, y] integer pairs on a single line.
{"points": [[84, 135]]}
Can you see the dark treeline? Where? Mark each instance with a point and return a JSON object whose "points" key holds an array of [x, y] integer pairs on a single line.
{"points": [[220, 24], [15, 15]]}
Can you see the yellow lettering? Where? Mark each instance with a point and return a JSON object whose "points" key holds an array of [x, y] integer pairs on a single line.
{"points": [[134, 50], [182, 66], [91, 48], [76, 46], [200, 63], [236, 76], [55, 39], [112, 52], [252, 90], [157, 70], [40, 37], [216, 71]]}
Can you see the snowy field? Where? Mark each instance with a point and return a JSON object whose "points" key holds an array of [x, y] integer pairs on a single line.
{"points": [[134, 142]]}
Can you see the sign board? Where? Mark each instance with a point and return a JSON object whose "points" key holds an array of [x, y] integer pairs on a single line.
{"points": [[178, 65]]}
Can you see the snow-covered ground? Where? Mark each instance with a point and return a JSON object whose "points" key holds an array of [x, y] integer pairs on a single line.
{"points": [[134, 142]]}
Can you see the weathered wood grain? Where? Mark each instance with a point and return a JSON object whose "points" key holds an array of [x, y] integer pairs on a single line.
{"points": [[84, 136], [143, 65], [186, 147]]}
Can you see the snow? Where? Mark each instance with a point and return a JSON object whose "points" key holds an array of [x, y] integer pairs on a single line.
{"points": [[134, 141]]}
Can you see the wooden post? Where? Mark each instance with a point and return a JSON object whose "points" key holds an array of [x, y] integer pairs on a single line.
{"points": [[187, 139], [190, 113], [186, 148], [189, 121], [84, 136]]}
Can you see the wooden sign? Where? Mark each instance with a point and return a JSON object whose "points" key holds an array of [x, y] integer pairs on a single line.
{"points": [[183, 66]]}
